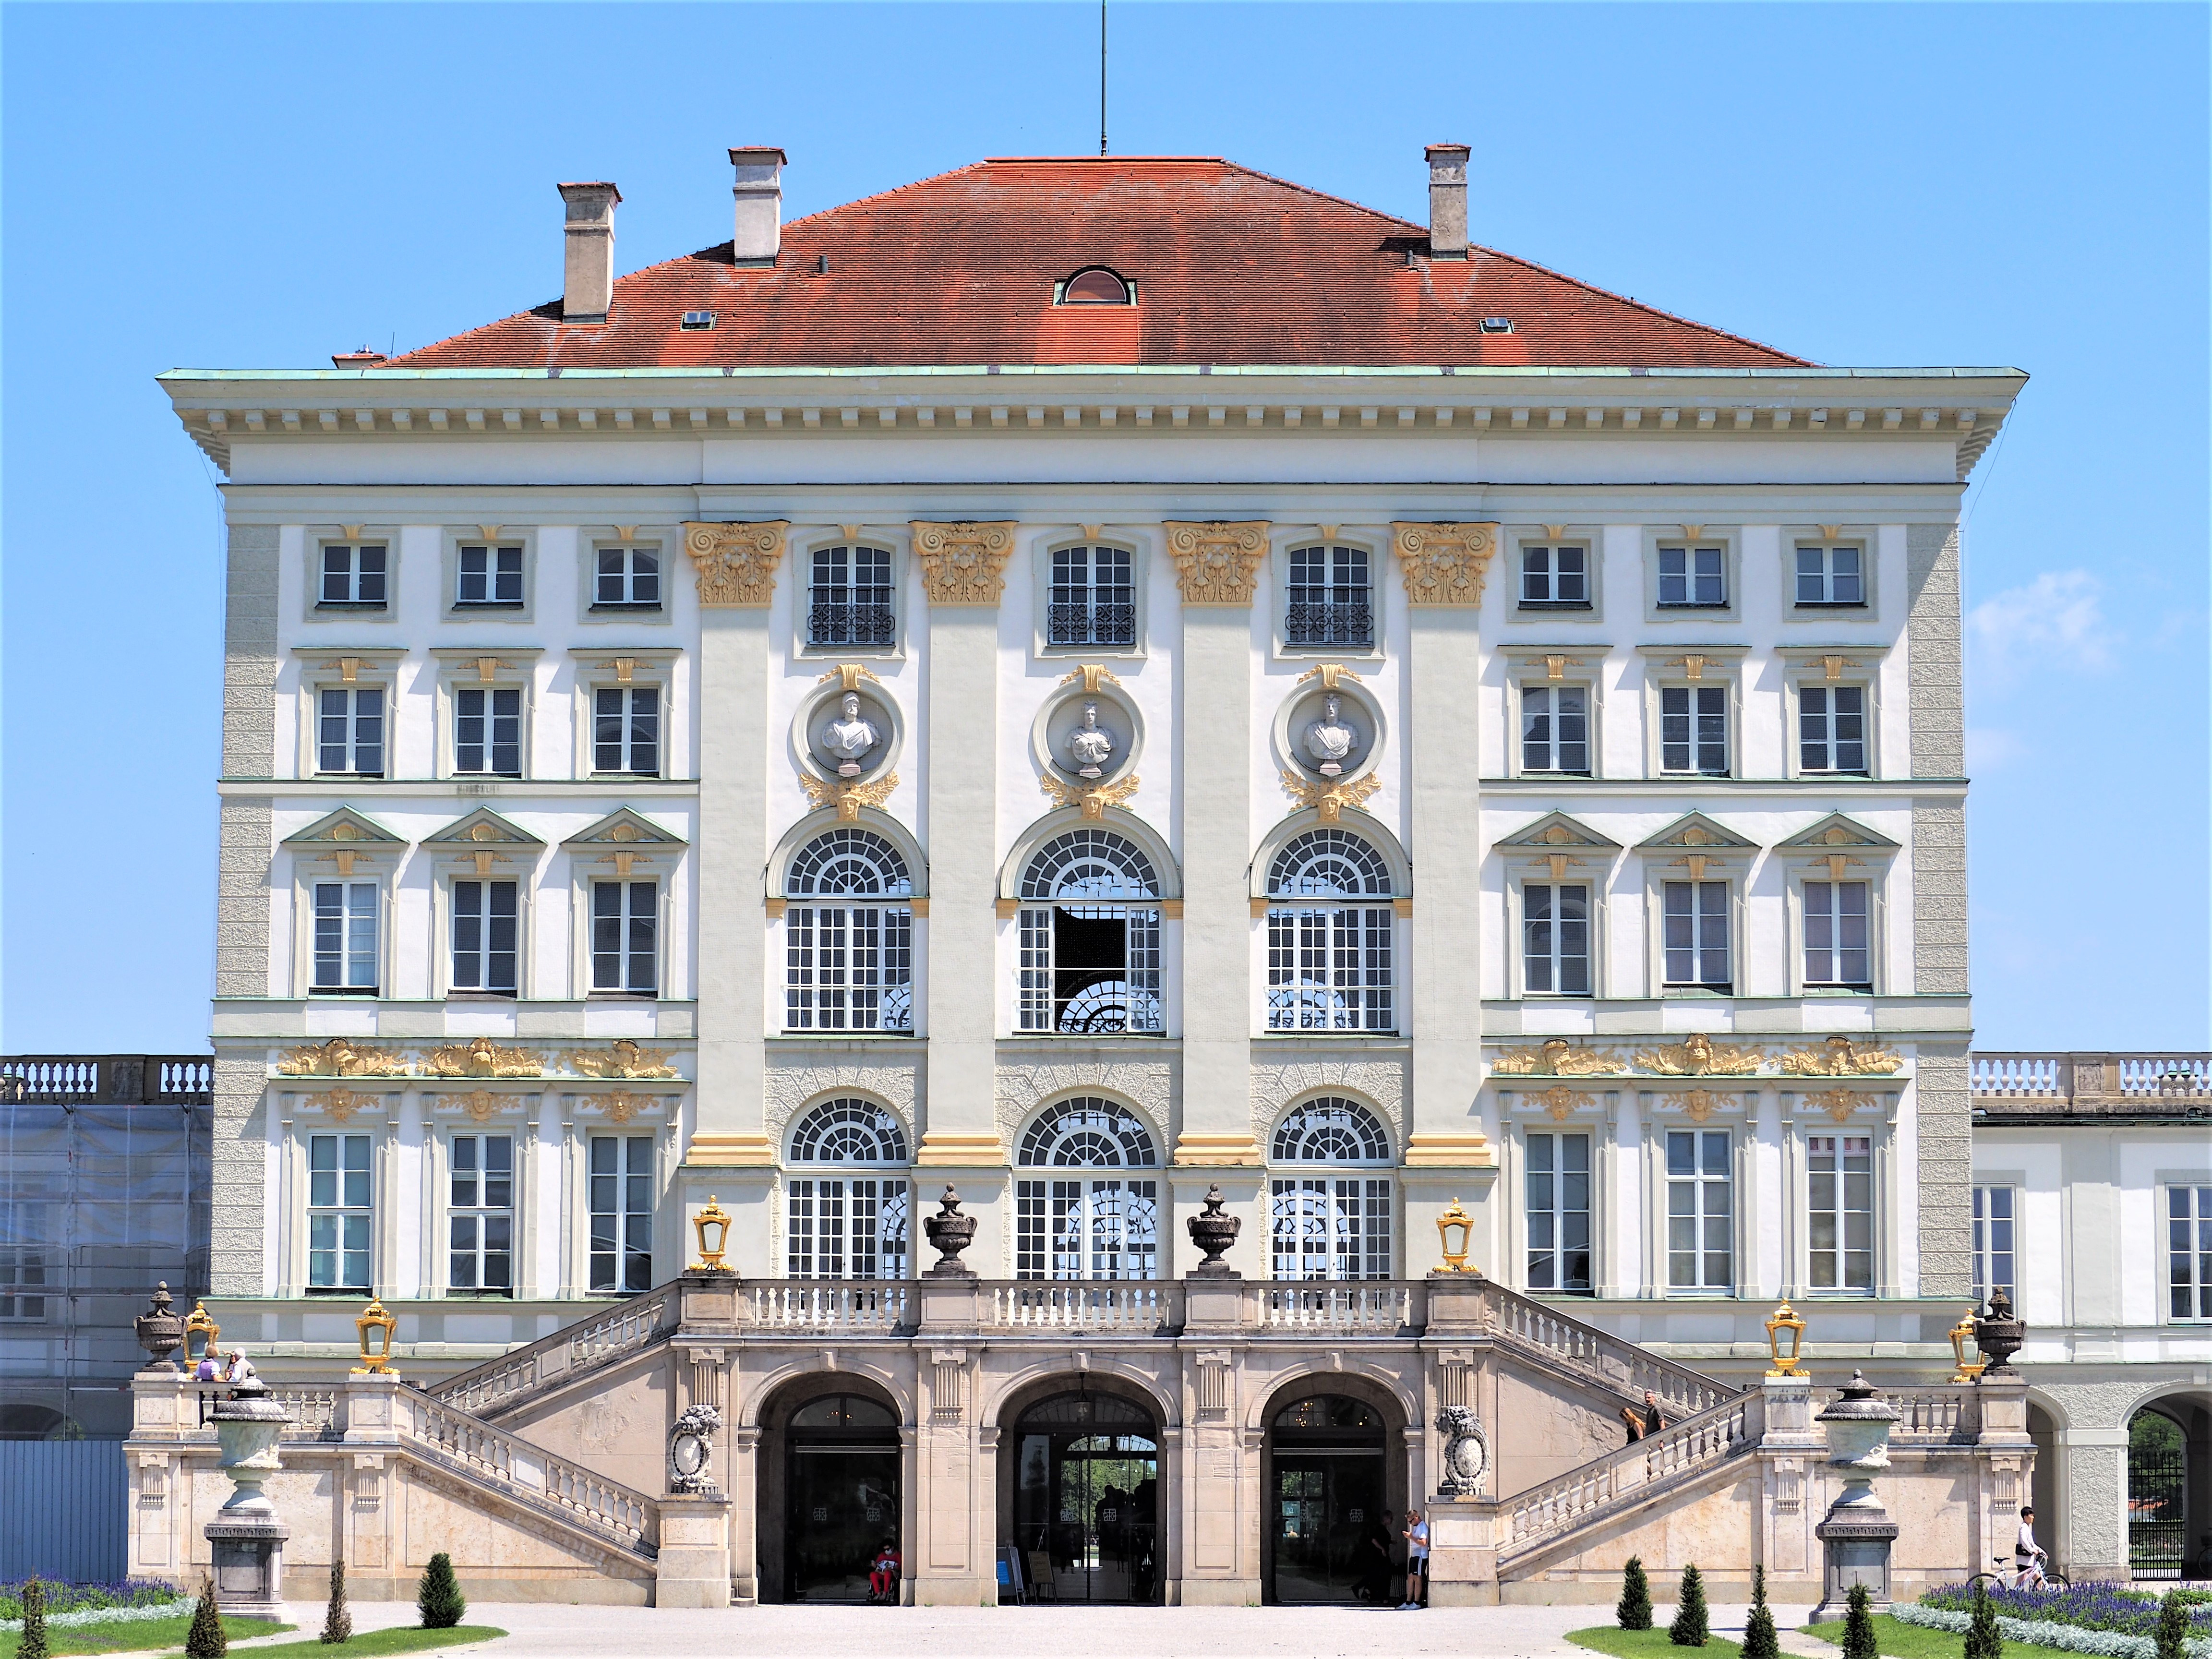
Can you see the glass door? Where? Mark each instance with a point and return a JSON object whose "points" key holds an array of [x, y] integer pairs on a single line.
{"points": [[1086, 1501], [1332, 1542], [843, 1475]]}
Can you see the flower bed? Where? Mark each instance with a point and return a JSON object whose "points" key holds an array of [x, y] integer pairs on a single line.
{"points": [[65, 1601], [2091, 1607]]}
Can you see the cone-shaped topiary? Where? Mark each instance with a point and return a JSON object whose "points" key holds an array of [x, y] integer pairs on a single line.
{"points": [[2173, 1626], [1983, 1641], [337, 1623], [206, 1639], [439, 1598], [1634, 1609], [1691, 1626], [1858, 1625], [1758, 1640], [32, 1644]]}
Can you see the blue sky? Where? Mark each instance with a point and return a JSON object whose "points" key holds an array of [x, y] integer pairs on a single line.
{"points": [[261, 186]]}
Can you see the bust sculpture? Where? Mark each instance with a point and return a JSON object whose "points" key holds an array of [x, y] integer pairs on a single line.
{"points": [[851, 736], [1330, 739], [1090, 743]]}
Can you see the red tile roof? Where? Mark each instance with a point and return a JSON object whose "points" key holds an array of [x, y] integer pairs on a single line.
{"points": [[1232, 267]]}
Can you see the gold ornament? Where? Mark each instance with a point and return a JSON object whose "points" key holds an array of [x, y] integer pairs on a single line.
{"points": [[1556, 1057], [1839, 1057], [482, 1057], [1328, 797], [848, 795], [341, 1057], [1698, 1055], [621, 1059], [1094, 799], [1217, 563], [736, 562], [963, 563], [1444, 563], [1560, 1100]]}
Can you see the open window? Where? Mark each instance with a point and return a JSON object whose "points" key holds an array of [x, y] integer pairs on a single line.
{"points": [[1089, 920]]}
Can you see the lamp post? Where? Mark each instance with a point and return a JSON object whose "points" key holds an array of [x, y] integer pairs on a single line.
{"points": [[712, 1226], [1455, 1219], [376, 1348], [1962, 1337], [1785, 1321], [200, 1324]]}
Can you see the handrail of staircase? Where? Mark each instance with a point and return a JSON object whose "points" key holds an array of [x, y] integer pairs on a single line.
{"points": [[1535, 1517], [529, 1474], [1607, 1360], [636, 1322]]}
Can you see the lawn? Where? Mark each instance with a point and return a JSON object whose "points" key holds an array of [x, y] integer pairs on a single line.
{"points": [[1900, 1640], [1645, 1644], [125, 1635], [400, 1638]]}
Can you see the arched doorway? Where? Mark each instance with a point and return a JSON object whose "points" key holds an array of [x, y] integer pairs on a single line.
{"points": [[830, 1493], [2158, 1495], [1085, 1509], [1329, 1522]]}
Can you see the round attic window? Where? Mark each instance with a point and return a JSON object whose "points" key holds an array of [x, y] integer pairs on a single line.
{"points": [[1096, 286]]}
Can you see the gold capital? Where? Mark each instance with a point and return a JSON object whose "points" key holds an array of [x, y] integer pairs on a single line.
{"points": [[1444, 563], [1217, 563], [736, 562], [963, 563]]}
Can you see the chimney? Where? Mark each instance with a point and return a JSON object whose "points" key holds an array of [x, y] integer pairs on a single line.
{"points": [[589, 272], [759, 192], [1447, 201]]}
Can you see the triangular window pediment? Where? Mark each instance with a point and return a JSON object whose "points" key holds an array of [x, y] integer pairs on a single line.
{"points": [[1836, 833], [1695, 832], [482, 827], [1556, 831], [344, 827], [625, 829]]}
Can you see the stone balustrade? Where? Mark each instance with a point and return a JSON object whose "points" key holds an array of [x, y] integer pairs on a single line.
{"points": [[2008, 1082]]}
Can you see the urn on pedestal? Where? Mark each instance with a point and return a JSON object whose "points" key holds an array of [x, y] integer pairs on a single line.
{"points": [[1999, 1336], [247, 1535], [950, 1233], [1213, 1230], [161, 1332], [1857, 1532]]}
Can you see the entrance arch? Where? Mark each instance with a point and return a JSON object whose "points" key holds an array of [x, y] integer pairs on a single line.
{"points": [[2169, 1485], [831, 1490], [1333, 1494], [1080, 1503]]}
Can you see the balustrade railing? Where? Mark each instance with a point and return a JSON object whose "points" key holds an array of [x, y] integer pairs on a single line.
{"points": [[1133, 1307], [1673, 1456], [529, 1473], [623, 1328], [829, 1305], [1606, 1360], [1925, 1416], [2090, 1080], [1355, 1309], [106, 1079]]}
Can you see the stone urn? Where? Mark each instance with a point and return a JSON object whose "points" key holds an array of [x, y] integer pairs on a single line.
{"points": [[161, 1332], [1857, 1533], [1213, 1231], [246, 1533], [950, 1233], [1999, 1335]]}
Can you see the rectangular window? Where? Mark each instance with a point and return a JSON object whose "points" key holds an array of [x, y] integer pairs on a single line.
{"points": [[850, 600], [1840, 1210], [1555, 578], [484, 931], [1330, 1227], [1557, 1191], [625, 930], [350, 730], [1329, 600], [1086, 1229], [480, 1255], [1090, 968], [1694, 578], [339, 1210], [1093, 599], [1555, 956], [491, 577], [1836, 948], [487, 730], [2189, 1252], [1555, 729], [1993, 1242], [849, 968], [1700, 1217], [626, 730], [1828, 574], [1697, 933], [353, 578], [23, 1282], [848, 1228], [628, 579], [621, 1197], [1693, 729], [1330, 970], [345, 938], [1832, 728]]}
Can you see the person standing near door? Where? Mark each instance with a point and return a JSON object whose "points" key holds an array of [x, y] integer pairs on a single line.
{"points": [[1417, 1558]]}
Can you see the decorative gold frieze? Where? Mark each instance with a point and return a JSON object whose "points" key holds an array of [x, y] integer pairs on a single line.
{"points": [[1561, 1102], [1697, 1104], [736, 562], [481, 1104], [1698, 1055], [1329, 796], [482, 1057], [1444, 563], [1217, 563], [848, 795], [341, 1057], [621, 1059], [342, 1104], [1839, 1057], [963, 563], [1094, 799], [621, 1105], [1555, 1057], [1840, 1103]]}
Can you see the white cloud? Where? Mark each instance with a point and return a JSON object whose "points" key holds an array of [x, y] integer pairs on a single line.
{"points": [[2055, 622]]}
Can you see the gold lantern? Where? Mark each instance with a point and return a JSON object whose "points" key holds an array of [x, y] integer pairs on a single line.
{"points": [[375, 1351], [1785, 1320], [201, 1323], [712, 1226], [1456, 1218], [1962, 1341]]}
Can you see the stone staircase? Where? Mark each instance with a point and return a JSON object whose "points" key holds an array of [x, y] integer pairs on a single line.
{"points": [[499, 1386]]}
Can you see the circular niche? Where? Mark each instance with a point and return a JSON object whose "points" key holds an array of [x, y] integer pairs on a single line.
{"points": [[1330, 735], [1088, 738], [852, 737]]}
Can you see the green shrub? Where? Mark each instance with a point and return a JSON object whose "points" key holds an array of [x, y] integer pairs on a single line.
{"points": [[439, 1598], [1758, 1637], [206, 1639], [1858, 1625], [1691, 1627], [1634, 1609], [2173, 1626], [337, 1623], [32, 1643]]}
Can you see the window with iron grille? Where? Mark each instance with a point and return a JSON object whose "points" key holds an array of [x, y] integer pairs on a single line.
{"points": [[340, 1211], [1700, 1213], [485, 929], [1993, 1242], [1693, 729], [848, 954], [1556, 1194], [1555, 939], [1078, 1225], [345, 955], [625, 936], [1093, 599], [1839, 1212], [480, 1214], [1831, 574], [1694, 578], [1089, 930], [1555, 729], [488, 578], [1554, 577], [1837, 951], [628, 579], [621, 1210], [1329, 601], [626, 730], [1696, 945], [352, 577], [1832, 728], [2189, 1252], [350, 730], [487, 730], [849, 601], [1331, 965]]}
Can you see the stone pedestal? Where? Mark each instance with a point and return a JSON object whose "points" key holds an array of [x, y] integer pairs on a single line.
{"points": [[1856, 1535], [1463, 1551], [247, 1535], [1855, 1550], [693, 1568]]}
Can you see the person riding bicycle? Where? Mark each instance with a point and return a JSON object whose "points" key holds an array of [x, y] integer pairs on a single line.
{"points": [[2027, 1555]]}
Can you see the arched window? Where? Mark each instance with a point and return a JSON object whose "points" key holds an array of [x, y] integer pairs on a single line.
{"points": [[1330, 956], [1094, 597], [1074, 1225], [1090, 936], [848, 936], [1330, 1226], [1096, 286], [845, 1225], [849, 601], [1328, 601]]}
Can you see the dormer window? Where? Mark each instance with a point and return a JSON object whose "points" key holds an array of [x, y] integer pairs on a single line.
{"points": [[1097, 287]]}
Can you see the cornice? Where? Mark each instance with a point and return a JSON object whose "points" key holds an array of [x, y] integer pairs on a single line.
{"points": [[453, 788]]}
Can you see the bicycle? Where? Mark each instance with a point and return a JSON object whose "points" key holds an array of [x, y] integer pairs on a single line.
{"points": [[2006, 1576]]}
